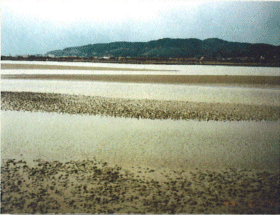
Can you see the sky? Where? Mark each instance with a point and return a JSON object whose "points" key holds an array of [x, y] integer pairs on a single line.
{"points": [[39, 26]]}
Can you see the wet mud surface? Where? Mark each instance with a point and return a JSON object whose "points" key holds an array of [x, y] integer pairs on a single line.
{"points": [[90, 186], [167, 79]]}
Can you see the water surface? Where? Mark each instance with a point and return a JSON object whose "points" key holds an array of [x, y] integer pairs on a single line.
{"points": [[162, 69], [131, 142], [177, 92]]}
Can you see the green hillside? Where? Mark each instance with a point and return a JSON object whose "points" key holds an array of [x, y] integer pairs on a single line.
{"points": [[173, 48]]}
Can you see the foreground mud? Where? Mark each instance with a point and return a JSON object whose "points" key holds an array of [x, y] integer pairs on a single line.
{"points": [[89, 186], [148, 109]]}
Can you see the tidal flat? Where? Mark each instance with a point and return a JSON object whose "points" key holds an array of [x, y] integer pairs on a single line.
{"points": [[133, 165], [88, 146]]}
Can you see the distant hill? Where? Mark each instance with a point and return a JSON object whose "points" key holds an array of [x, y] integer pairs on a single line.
{"points": [[173, 48]]}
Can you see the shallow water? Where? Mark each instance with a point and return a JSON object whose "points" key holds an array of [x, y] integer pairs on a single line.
{"points": [[191, 93], [162, 69], [179, 92], [132, 142]]}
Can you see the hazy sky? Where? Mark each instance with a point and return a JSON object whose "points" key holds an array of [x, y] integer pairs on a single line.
{"points": [[39, 26]]}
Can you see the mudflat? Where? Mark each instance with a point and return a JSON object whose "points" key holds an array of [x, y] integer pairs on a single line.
{"points": [[95, 186], [151, 78], [165, 79], [90, 186]]}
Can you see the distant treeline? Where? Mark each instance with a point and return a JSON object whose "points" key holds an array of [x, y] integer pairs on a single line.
{"points": [[240, 61], [183, 49]]}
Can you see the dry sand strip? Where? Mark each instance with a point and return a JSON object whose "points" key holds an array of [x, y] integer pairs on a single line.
{"points": [[147, 109], [90, 186], [66, 67], [166, 79]]}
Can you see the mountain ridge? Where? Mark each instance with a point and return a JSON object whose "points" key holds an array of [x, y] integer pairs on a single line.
{"points": [[172, 48]]}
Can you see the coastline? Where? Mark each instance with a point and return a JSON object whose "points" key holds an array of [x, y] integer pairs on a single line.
{"points": [[173, 61]]}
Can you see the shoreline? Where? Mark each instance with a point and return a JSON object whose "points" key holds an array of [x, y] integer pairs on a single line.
{"points": [[8, 66], [133, 108], [153, 62]]}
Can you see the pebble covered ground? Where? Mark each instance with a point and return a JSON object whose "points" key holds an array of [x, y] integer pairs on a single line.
{"points": [[147, 109], [90, 186]]}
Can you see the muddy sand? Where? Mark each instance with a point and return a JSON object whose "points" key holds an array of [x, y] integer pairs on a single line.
{"points": [[272, 81], [90, 186]]}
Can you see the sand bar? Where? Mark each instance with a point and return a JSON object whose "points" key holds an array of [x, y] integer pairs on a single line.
{"points": [[166, 79], [147, 109]]}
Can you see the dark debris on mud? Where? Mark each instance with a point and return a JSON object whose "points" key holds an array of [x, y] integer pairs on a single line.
{"points": [[89, 186], [145, 109]]}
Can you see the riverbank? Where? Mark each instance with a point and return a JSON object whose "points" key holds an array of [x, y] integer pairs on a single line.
{"points": [[132, 108], [90, 186]]}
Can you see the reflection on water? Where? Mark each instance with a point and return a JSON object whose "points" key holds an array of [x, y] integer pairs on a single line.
{"points": [[126, 141], [164, 69], [176, 92]]}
